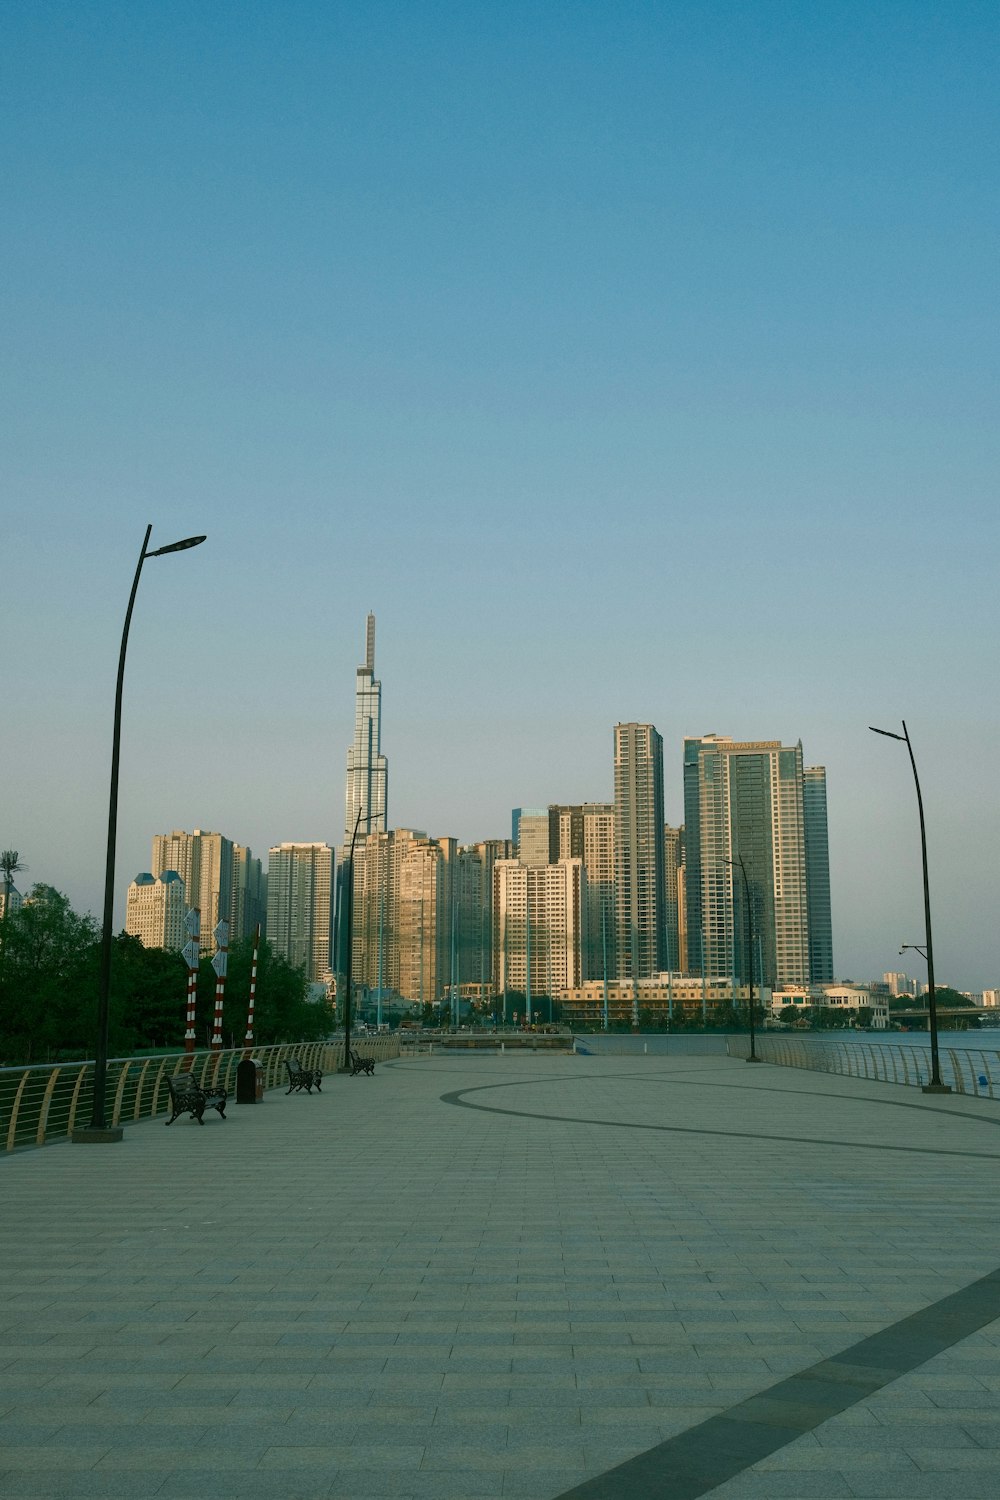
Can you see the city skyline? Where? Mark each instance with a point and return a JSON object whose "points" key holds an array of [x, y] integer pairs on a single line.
{"points": [[632, 366]]}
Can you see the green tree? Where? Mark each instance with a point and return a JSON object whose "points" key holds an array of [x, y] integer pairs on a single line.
{"points": [[49, 977]]}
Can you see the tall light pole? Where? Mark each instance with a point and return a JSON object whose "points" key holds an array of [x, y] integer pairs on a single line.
{"points": [[935, 1086], [99, 1131], [349, 943], [746, 889]]}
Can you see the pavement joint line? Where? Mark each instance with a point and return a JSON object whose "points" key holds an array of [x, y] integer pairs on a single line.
{"points": [[705, 1456], [458, 1098]]}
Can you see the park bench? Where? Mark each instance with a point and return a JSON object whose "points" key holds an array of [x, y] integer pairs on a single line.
{"points": [[302, 1078], [361, 1064], [189, 1096]]}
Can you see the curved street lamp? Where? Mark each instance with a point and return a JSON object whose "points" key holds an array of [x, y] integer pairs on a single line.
{"points": [[753, 1058], [99, 1131], [935, 1086]]}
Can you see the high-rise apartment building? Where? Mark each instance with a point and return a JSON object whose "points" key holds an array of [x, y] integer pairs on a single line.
{"points": [[639, 880], [540, 924], [367, 767], [300, 906], [476, 924], [745, 800], [586, 831], [405, 920], [532, 835], [16, 900], [249, 895], [204, 861], [817, 839], [155, 910], [673, 864]]}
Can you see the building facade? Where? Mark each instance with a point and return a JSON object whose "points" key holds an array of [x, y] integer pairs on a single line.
{"points": [[204, 861], [540, 923], [745, 835], [248, 906], [367, 768], [817, 840], [639, 858], [154, 910], [300, 888], [586, 831]]}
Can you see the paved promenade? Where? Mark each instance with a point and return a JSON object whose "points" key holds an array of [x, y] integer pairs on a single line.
{"points": [[519, 1276]]}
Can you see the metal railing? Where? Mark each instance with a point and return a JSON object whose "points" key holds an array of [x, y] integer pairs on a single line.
{"points": [[969, 1070], [45, 1102]]}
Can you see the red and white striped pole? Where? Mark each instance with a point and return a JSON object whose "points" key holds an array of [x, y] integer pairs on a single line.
{"points": [[220, 964], [191, 952], [248, 1039]]}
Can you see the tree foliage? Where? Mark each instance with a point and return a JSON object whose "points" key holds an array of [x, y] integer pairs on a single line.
{"points": [[49, 965]]}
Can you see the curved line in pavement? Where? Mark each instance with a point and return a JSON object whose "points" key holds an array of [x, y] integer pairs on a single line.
{"points": [[457, 1098]]}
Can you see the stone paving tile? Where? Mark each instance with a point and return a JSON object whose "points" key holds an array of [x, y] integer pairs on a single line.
{"points": [[531, 1286]]}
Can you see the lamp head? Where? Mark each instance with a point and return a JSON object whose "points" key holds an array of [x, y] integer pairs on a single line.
{"points": [[888, 733], [189, 541]]}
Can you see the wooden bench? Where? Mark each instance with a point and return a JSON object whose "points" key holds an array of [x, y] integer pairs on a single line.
{"points": [[302, 1078], [361, 1064], [188, 1096]]}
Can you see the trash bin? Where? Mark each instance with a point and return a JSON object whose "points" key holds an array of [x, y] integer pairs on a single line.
{"points": [[249, 1082]]}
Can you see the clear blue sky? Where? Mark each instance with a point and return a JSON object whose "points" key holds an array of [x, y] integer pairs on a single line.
{"points": [[631, 361]]}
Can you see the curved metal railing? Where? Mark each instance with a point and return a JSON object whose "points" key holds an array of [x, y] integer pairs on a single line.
{"points": [[45, 1102], [969, 1070]]}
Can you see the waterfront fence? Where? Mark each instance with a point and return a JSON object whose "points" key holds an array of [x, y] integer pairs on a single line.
{"points": [[972, 1070], [45, 1102]]}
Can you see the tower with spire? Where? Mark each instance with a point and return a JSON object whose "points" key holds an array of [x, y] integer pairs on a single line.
{"points": [[367, 768]]}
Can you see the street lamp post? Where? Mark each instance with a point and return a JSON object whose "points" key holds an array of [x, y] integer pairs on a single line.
{"points": [[349, 943], [935, 1086], [99, 1131], [753, 1058]]}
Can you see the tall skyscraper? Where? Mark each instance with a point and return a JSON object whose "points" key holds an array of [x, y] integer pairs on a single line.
{"points": [[532, 836], [249, 895], [367, 767], [475, 938], [204, 861], [586, 831], [540, 921], [746, 800], [154, 910], [673, 863], [818, 875], [639, 882], [300, 906]]}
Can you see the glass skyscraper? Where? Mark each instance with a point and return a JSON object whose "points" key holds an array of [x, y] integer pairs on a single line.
{"points": [[748, 801], [367, 768]]}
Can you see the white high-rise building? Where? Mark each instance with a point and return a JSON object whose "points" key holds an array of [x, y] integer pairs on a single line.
{"points": [[154, 910], [540, 926], [640, 928], [204, 861], [367, 767], [300, 906]]}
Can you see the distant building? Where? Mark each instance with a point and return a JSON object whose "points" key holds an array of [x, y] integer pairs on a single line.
{"points": [[249, 895], [16, 899], [586, 831], [540, 926], [155, 909], [990, 999], [532, 836], [639, 857], [748, 801], [843, 997], [819, 914], [300, 906], [673, 865], [204, 861], [367, 767]]}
